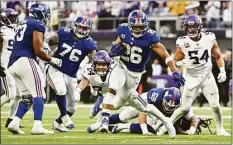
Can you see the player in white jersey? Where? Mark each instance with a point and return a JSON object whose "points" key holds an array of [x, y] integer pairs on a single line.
{"points": [[9, 21], [195, 50], [97, 75]]}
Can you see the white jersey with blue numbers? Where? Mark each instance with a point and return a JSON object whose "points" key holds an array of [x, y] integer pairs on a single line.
{"points": [[138, 50], [97, 83], [8, 34], [72, 50], [197, 54], [23, 45]]}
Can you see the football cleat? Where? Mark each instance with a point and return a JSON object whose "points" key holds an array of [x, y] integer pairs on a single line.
{"points": [[67, 121], [39, 130], [59, 127], [115, 129], [14, 128], [104, 125], [171, 129], [8, 121], [93, 127], [223, 132]]}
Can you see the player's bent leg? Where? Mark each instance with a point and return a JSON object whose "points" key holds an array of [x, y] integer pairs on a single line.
{"points": [[124, 116], [5, 91]]}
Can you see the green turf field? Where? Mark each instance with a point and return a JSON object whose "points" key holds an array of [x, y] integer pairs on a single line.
{"points": [[80, 136]]}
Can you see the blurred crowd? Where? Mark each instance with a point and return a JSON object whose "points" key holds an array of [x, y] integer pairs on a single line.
{"points": [[217, 14]]}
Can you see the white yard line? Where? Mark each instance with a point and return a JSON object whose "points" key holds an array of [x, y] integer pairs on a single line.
{"points": [[91, 105]]}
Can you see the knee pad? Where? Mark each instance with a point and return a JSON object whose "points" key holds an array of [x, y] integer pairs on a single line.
{"points": [[27, 99]]}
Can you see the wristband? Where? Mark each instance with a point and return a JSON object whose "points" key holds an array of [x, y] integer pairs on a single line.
{"points": [[168, 59]]}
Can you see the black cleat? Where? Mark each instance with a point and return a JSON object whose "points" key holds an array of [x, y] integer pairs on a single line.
{"points": [[8, 121]]}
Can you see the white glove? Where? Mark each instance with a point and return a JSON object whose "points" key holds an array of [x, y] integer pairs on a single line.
{"points": [[56, 61], [191, 131], [222, 75], [77, 94]]}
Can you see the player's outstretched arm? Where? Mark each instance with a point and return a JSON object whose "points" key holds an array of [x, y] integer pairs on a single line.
{"points": [[220, 62], [162, 52], [40, 52], [179, 55], [53, 41], [81, 86]]}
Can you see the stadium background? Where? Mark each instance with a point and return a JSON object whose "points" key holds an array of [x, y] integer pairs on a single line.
{"points": [[165, 17]]}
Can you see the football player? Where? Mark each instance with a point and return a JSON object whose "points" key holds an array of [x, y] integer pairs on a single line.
{"points": [[134, 45], [22, 65], [195, 50], [96, 75], [7, 30], [73, 44], [166, 100]]}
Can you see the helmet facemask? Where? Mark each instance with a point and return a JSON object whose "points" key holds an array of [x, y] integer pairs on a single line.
{"points": [[138, 30], [81, 30], [101, 68]]}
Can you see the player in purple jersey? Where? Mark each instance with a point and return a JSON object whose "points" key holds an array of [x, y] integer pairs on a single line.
{"points": [[22, 65], [73, 45], [134, 45]]}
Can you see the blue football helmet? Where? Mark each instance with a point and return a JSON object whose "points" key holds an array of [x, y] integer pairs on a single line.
{"points": [[82, 26], [40, 12], [101, 62], [193, 25], [171, 99], [9, 17], [138, 23]]}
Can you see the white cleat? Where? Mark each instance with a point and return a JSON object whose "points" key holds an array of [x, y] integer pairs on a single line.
{"points": [[59, 127], [67, 121], [14, 128], [223, 132], [39, 130], [161, 131]]}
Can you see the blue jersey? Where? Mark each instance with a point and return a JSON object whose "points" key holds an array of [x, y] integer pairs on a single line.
{"points": [[23, 45], [72, 50], [138, 50], [155, 97]]}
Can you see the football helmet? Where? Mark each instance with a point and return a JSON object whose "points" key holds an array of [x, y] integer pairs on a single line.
{"points": [[171, 99], [82, 26], [138, 23], [101, 62], [40, 12], [193, 25], [9, 17]]}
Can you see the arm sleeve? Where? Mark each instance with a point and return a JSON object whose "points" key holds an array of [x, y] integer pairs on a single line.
{"points": [[39, 27]]}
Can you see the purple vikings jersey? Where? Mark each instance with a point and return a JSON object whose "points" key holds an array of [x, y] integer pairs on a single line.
{"points": [[155, 97], [138, 50], [72, 50], [23, 45]]}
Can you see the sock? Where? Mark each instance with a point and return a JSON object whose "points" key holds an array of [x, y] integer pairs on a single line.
{"points": [[114, 119], [38, 108], [13, 107], [61, 103], [22, 109], [4, 99], [218, 116], [58, 120], [37, 123], [136, 128], [69, 113]]}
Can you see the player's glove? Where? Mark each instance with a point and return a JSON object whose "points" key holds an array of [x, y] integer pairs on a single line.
{"points": [[222, 75], [178, 78], [2, 72], [116, 50], [56, 61]]}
